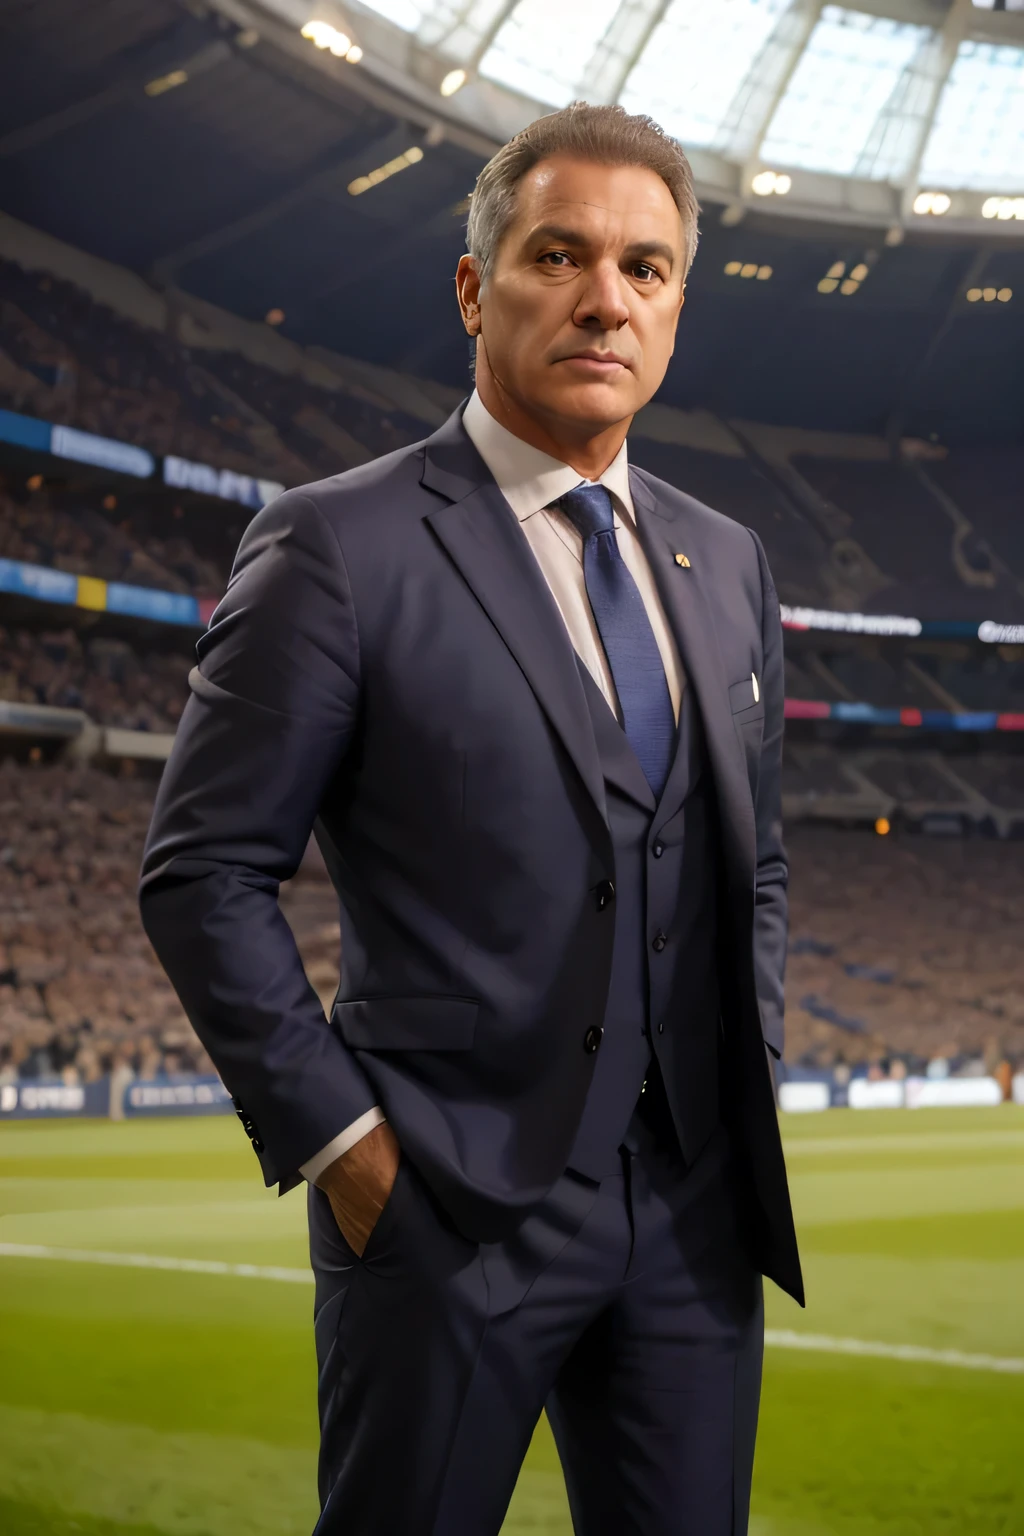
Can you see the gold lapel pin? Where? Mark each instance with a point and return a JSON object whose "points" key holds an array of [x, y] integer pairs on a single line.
{"points": [[683, 561]]}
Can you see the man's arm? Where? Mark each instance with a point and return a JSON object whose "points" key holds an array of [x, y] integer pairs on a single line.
{"points": [[771, 909], [273, 705]]}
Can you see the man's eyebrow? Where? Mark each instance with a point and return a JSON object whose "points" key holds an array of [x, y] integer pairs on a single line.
{"points": [[559, 233], [644, 248], [640, 250]]}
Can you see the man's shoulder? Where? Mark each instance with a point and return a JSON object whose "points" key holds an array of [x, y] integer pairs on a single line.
{"points": [[386, 490], [705, 521]]}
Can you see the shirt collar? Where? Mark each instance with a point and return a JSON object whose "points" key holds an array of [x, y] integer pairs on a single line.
{"points": [[528, 478]]}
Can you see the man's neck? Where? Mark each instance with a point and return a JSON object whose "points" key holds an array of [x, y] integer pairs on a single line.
{"points": [[586, 449]]}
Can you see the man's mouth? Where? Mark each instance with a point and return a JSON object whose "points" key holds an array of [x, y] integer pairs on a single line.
{"points": [[597, 364]]}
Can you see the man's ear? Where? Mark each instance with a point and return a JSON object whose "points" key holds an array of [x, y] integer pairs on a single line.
{"points": [[467, 286], [675, 331]]}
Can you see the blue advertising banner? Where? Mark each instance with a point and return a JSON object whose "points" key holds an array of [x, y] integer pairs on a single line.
{"points": [[151, 603], [38, 581], [25, 431], [182, 1094], [103, 452], [42, 1100]]}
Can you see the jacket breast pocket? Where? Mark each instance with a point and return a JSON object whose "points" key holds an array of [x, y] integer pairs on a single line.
{"points": [[406, 1023], [745, 700]]}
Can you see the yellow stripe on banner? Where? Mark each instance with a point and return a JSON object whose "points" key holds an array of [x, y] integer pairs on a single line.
{"points": [[92, 592]]}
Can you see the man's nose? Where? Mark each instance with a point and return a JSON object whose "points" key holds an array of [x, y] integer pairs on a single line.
{"points": [[603, 301]]}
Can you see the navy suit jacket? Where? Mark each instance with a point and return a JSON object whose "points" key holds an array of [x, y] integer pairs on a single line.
{"points": [[388, 667]]}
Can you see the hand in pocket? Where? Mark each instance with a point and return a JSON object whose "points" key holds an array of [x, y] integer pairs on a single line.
{"points": [[359, 1183]]}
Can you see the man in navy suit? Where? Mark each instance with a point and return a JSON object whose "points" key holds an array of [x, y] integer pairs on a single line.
{"points": [[530, 701]]}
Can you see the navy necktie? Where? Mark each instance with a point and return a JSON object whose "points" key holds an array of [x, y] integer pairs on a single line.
{"points": [[626, 634]]}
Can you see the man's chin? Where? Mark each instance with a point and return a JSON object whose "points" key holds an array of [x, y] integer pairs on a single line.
{"points": [[594, 406]]}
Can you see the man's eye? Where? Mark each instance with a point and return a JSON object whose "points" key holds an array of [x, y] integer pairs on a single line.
{"points": [[556, 258], [642, 270]]}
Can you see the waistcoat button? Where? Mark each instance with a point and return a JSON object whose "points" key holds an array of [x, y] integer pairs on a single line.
{"points": [[592, 1039], [604, 893], [658, 850], [658, 942]]}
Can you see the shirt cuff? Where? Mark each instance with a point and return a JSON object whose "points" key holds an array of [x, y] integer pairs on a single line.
{"points": [[342, 1143]]}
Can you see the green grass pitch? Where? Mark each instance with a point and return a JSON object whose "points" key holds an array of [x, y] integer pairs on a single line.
{"points": [[147, 1402]]}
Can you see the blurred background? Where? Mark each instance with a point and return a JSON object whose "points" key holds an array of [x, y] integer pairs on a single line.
{"points": [[228, 234]]}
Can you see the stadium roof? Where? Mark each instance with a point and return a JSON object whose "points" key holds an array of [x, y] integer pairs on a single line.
{"points": [[209, 145], [865, 111]]}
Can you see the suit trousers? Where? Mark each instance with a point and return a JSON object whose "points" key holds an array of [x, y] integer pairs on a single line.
{"points": [[628, 1308]]}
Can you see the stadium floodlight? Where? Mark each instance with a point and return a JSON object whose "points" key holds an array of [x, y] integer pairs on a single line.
{"points": [[763, 274], [412, 156], [453, 81], [1003, 208], [936, 203], [767, 183], [166, 82], [328, 38], [1004, 295]]}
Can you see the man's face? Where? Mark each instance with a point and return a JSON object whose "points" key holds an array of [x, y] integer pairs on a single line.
{"points": [[578, 313]]}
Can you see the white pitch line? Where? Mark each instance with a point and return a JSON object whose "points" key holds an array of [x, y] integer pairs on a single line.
{"points": [[784, 1338], [775, 1338], [155, 1261]]}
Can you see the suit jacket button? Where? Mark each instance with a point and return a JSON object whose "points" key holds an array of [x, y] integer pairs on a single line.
{"points": [[658, 942], [658, 850], [604, 893], [592, 1039]]}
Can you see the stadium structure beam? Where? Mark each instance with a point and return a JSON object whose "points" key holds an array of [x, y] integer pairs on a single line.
{"points": [[615, 56], [411, 100], [76, 113], [954, 29], [468, 38], [341, 171], [767, 80]]}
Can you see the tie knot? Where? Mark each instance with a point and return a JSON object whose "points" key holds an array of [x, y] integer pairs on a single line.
{"points": [[589, 509]]}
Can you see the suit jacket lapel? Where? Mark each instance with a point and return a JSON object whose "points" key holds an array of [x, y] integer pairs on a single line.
{"points": [[663, 532], [479, 530]]}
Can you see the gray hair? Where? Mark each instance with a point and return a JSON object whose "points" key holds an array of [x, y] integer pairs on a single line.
{"points": [[606, 135]]}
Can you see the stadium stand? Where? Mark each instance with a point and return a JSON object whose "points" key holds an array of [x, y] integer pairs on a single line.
{"points": [[116, 682], [861, 903], [844, 524], [81, 991], [988, 486], [737, 487], [912, 942], [933, 562], [82, 364], [67, 531], [884, 938]]}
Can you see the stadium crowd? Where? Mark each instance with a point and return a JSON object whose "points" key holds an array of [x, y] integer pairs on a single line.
{"points": [[905, 953], [75, 361], [81, 992], [114, 682], [90, 537]]}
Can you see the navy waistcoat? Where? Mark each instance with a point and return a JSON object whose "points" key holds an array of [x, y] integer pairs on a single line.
{"points": [[663, 995]]}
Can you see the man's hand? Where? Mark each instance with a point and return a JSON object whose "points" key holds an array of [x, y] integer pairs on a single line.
{"points": [[359, 1182]]}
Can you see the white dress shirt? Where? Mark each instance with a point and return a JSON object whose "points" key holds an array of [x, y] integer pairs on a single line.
{"points": [[530, 481]]}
